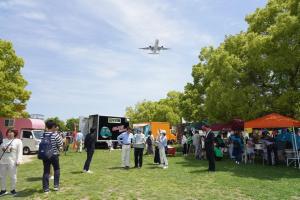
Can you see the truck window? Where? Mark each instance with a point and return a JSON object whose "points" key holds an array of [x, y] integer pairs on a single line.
{"points": [[27, 134], [38, 134]]}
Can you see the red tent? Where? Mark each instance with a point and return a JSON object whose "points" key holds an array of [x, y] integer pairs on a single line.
{"points": [[235, 125], [273, 120]]}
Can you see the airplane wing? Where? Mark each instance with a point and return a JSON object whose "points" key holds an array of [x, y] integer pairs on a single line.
{"points": [[147, 48], [163, 48]]}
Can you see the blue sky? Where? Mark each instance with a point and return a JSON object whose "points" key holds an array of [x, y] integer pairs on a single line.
{"points": [[82, 57]]}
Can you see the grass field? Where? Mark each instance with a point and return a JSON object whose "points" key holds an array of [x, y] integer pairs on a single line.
{"points": [[185, 178]]}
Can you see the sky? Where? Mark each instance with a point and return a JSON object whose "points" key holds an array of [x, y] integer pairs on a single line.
{"points": [[82, 57]]}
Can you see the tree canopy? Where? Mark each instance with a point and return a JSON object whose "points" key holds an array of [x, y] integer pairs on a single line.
{"points": [[164, 110], [72, 123], [13, 95], [251, 73]]}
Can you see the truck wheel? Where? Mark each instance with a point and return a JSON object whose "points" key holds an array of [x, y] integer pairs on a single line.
{"points": [[26, 150]]}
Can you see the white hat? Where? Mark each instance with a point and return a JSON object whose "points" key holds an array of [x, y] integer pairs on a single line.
{"points": [[163, 131]]}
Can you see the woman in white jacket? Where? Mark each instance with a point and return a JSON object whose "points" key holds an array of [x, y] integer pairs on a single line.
{"points": [[11, 155], [162, 144]]}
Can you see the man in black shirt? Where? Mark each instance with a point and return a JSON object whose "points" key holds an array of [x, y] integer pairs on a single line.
{"points": [[209, 147], [89, 145]]}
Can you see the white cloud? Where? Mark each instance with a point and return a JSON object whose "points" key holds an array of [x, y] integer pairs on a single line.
{"points": [[34, 16], [144, 21], [17, 3]]}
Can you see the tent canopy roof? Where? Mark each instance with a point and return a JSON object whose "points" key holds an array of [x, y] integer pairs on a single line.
{"points": [[235, 124], [273, 120]]}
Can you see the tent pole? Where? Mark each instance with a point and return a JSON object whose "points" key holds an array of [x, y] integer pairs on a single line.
{"points": [[296, 146]]}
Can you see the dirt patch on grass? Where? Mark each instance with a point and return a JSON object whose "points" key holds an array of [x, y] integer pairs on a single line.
{"points": [[28, 158]]}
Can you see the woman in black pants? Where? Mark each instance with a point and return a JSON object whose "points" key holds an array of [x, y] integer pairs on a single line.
{"points": [[89, 145], [156, 153]]}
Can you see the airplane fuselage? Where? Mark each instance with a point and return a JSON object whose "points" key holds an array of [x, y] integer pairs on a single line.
{"points": [[155, 49]]}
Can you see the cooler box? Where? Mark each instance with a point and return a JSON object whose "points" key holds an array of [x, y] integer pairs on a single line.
{"points": [[171, 150]]}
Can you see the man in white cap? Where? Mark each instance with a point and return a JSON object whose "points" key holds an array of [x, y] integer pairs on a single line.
{"points": [[162, 144]]}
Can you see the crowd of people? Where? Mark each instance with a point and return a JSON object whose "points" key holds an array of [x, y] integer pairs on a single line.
{"points": [[237, 144], [139, 142]]}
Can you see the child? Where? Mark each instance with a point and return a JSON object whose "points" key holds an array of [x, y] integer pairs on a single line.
{"points": [[109, 144]]}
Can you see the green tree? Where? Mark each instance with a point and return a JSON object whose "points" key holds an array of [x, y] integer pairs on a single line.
{"points": [[13, 95], [164, 110], [71, 123], [61, 124], [251, 73]]}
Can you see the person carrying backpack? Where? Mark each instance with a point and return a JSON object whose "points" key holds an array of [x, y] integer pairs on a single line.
{"points": [[237, 147], [50, 146]]}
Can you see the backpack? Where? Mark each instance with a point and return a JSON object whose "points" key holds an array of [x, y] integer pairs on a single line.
{"points": [[45, 148], [236, 143]]}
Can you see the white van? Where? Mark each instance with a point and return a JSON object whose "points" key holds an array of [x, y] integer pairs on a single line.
{"points": [[31, 140]]}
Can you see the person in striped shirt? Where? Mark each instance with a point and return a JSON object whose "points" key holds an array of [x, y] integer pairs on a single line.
{"points": [[57, 146]]}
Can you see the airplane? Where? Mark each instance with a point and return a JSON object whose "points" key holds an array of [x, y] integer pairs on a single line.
{"points": [[155, 49]]}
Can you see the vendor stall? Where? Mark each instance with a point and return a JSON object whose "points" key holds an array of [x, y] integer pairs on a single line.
{"points": [[275, 120]]}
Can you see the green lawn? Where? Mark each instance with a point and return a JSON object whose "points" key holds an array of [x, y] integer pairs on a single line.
{"points": [[184, 179]]}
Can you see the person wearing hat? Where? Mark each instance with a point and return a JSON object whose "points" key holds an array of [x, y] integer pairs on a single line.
{"points": [[209, 147], [11, 156], [162, 144], [125, 139]]}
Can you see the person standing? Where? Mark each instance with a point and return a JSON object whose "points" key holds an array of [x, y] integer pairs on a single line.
{"points": [[11, 156], [189, 142], [149, 142], [230, 140], [56, 146], [89, 146], [74, 136], [109, 144], [162, 144], [197, 144], [79, 140], [237, 147], [1, 138], [125, 139], [209, 147], [156, 151], [184, 144], [138, 145]]}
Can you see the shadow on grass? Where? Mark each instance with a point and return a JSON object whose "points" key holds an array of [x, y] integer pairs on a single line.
{"points": [[33, 179], [200, 171], [27, 193], [76, 172], [114, 168], [257, 171]]}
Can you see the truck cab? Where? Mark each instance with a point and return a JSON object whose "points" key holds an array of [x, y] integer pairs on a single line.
{"points": [[29, 131], [31, 140]]}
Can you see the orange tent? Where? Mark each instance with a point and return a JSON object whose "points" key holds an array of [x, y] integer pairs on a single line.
{"points": [[273, 120]]}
